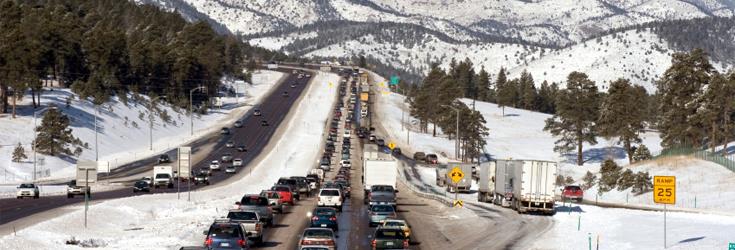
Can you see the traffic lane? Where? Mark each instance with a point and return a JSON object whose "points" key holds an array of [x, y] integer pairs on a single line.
{"points": [[10, 210]]}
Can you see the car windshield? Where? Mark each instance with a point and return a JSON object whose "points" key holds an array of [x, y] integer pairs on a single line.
{"points": [[380, 208], [389, 234], [26, 186], [223, 231], [329, 192], [141, 183], [254, 201], [162, 176], [317, 233], [242, 215]]}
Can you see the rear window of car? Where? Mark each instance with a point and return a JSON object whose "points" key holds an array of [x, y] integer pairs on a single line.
{"points": [[26, 185], [254, 201], [162, 176], [394, 224], [329, 192], [431, 157], [389, 234], [269, 194], [325, 212], [382, 208], [318, 233], [242, 215], [382, 188], [572, 188], [224, 230]]}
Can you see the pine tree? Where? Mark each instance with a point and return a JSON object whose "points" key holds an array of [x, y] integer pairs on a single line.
{"points": [[19, 153], [527, 94], [485, 92], [504, 94], [55, 136], [609, 176], [577, 110], [621, 115], [680, 90], [588, 180], [546, 98], [642, 153]]}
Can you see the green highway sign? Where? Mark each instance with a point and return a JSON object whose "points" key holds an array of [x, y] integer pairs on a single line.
{"points": [[732, 246], [394, 80]]}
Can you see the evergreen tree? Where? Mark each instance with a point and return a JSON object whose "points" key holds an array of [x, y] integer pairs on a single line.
{"points": [[362, 61], [527, 95], [609, 176], [621, 114], [55, 136], [546, 98], [680, 90], [484, 92], [577, 110], [728, 108], [19, 153], [642, 153], [504, 93]]}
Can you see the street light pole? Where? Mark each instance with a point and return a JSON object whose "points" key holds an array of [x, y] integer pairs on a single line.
{"points": [[150, 119], [191, 106]]}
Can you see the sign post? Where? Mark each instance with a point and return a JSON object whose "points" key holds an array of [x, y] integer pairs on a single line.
{"points": [[83, 169], [184, 170], [456, 175], [664, 192]]}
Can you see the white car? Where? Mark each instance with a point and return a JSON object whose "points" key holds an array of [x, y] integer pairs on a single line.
{"points": [[230, 169], [347, 134], [345, 164], [214, 165], [330, 197], [27, 190], [237, 162], [325, 167]]}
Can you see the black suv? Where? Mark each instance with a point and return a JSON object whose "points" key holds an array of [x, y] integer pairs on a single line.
{"points": [[163, 159]]}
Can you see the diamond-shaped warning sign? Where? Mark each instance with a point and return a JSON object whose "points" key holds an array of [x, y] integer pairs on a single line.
{"points": [[456, 174]]}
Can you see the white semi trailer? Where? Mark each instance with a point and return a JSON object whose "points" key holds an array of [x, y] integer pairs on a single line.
{"points": [[526, 186]]}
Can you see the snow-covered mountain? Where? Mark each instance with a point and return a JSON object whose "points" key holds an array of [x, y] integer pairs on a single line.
{"points": [[549, 38]]}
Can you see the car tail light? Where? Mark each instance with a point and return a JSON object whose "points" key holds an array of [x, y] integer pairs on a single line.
{"points": [[333, 218], [258, 227], [208, 242], [330, 243], [374, 243], [244, 243], [314, 218], [305, 242], [405, 243]]}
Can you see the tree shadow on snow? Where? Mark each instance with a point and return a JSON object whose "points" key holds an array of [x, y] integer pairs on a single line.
{"points": [[569, 208]]}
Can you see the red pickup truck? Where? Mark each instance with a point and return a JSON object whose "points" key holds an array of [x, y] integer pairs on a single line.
{"points": [[572, 192]]}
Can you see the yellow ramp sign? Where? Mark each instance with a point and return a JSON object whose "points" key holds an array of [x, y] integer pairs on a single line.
{"points": [[456, 174], [664, 189]]}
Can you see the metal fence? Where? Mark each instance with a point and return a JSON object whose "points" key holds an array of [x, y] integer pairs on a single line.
{"points": [[727, 161]]}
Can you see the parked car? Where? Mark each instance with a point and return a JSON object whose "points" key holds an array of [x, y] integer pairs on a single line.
{"points": [[379, 213], [225, 234], [330, 197], [274, 198], [27, 190], [141, 186], [250, 223], [324, 217], [572, 192], [389, 238], [285, 192], [163, 159], [318, 236], [201, 178]]}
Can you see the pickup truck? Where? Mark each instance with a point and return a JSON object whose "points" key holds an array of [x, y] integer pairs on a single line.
{"points": [[27, 190], [73, 190], [382, 195], [250, 222], [274, 198], [572, 192], [260, 204]]}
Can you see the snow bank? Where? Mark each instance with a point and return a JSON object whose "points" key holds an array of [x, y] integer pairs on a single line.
{"points": [[123, 134], [161, 221]]}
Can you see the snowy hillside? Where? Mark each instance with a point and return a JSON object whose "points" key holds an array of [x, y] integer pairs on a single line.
{"points": [[123, 129]]}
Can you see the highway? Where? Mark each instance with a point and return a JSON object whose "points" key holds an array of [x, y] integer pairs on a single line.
{"points": [[274, 109]]}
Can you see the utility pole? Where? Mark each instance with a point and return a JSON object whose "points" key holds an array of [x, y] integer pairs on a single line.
{"points": [[191, 106], [150, 118]]}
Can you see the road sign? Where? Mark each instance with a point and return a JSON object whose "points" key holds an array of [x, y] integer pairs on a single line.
{"points": [[394, 80], [456, 174], [731, 247], [391, 145], [103, 167], [458, 203], [664, 189]]}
